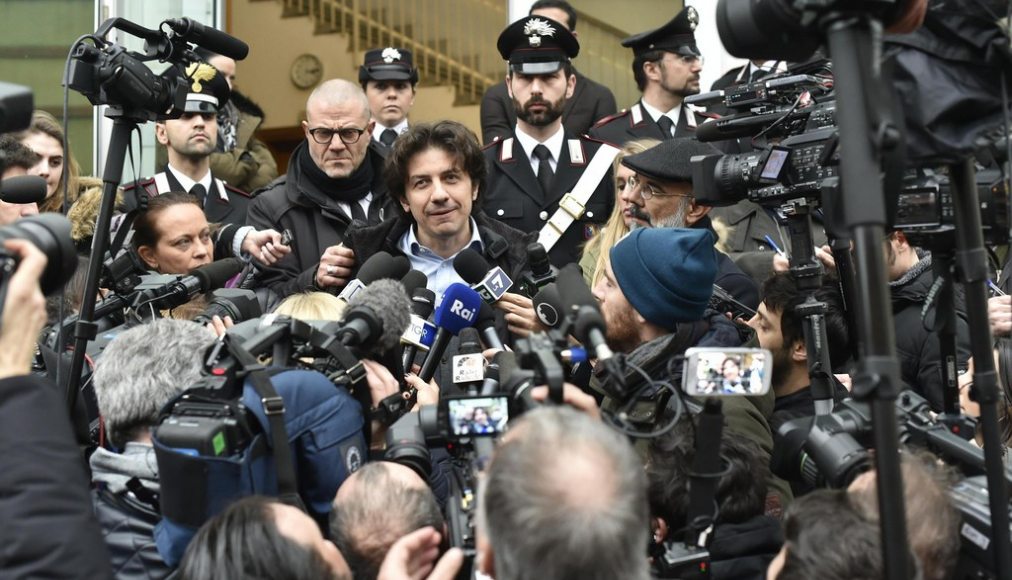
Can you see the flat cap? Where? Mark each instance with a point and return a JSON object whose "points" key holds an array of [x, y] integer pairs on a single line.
{"points": [[536, 45], [388, 64], [677, 36], [669, 161], [207, 90]]}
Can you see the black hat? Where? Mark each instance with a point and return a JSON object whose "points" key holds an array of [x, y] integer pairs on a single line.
{"points": [[677, 36], [669, 161], [388, 64], [206, 92], [536, 45]]}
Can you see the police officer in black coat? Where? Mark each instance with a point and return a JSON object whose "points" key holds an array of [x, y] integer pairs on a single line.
{"points": [[536, 171], [666, 64], [190, 140]]}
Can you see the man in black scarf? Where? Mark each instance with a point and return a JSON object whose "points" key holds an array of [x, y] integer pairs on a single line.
{"points": [[333, 178]]}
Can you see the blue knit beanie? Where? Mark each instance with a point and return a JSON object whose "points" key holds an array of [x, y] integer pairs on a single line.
{"points": [[666, 274]]}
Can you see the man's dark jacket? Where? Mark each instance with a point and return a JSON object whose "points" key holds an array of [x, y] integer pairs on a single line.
{"points": [[48, 528], [129, 526], [743, 551], [505, 247], [916, 345], [590, 102], [314, 218]]}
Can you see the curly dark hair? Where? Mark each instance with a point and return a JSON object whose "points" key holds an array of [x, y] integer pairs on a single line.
{"points": [[449, 136], [780, 293], [14, 154]]}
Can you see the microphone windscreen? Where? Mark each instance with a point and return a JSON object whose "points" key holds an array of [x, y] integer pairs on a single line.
{"points": [[458, 309], [389, 303], [537, 258], [572, 288], [423, 301], [469, 341], [216, 274], [548, 306], [471, 266], [486, 316], [23, 189], [414, 280], [382, 265]]}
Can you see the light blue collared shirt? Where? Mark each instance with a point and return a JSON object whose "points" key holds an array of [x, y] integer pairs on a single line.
{"points": [[439, 270]]}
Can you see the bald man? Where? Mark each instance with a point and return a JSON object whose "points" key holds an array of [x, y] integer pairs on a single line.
{"points": [[334, 177], [376, 506]]}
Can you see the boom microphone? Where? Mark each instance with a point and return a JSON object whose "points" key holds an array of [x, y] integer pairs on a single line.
{"points": [[210, 38], [376, 317], [458, 310], [379, 266], [23, 189], [490, 283]]}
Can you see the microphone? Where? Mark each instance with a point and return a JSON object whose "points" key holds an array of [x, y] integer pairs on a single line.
{"points": [[486, 325], [541, 271], [490, 385], [490, 283], [23, 189], [379, 266], [210, 38], [548, 306], [469, 365], [414, 280], [376, 317], [588, 325], [457, 311], [167, 294], [420, 332]]}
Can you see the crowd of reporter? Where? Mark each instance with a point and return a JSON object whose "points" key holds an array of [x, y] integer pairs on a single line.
{"points": [[590, 481]]}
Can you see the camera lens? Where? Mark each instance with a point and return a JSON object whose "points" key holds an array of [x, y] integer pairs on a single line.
{"points": [[50, 233]]}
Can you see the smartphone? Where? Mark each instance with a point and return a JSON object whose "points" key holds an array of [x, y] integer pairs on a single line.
{"points": [[474, 416], [286, 237], [727, 371]]}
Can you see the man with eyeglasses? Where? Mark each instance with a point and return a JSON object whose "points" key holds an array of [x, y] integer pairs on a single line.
{"points": [[661, 190], [542, 178], [666, 65], [334, 178]]}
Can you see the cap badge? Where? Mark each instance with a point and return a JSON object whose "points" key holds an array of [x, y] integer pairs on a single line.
{"points": [[693, 17], [199, 72], [390, 54], [535, 29]]}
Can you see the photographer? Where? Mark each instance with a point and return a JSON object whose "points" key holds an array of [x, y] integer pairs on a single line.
{"points": [[653, 298], [538, 517], [48, 528], [15, 159], [378, 504], [745, 540], [139, 372]]}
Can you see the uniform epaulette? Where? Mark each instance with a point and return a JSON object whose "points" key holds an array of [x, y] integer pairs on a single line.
{"points": [[128, 185], [492, 143], [237, 190], [610, 118]]}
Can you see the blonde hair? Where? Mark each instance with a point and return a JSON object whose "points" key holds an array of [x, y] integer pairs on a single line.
{"points": [[47, 124], [312, 306], [615, 229]]}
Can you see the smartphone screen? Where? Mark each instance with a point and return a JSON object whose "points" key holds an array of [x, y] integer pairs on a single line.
{"points": [[477, 416], [727, 371]]}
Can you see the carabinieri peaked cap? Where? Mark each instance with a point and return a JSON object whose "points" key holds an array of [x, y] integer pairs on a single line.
{"points": [[537, 45], [677, 36]]}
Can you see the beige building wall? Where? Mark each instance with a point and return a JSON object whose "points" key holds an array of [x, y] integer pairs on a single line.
{"points": [[275, 42], [630, 16]]}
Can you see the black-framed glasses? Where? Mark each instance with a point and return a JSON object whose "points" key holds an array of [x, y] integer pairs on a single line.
{"points": [[348, 135], [648, 191]]}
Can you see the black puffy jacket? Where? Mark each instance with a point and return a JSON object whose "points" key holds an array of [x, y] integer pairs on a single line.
{"points": [[128, 525]]}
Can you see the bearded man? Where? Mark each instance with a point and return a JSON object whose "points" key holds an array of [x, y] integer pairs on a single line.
{"points": [[533, 174]]}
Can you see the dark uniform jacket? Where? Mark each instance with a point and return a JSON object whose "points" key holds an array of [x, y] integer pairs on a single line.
{"points": [[314, 218], [590, 102], [224, 203], [513, 195], [635, 123]]}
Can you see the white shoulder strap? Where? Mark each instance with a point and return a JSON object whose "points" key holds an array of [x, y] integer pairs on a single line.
{"points": [[162, 183], [573, 204]]}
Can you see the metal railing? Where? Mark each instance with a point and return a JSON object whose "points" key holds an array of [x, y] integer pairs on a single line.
{"points": [[453, 41]]}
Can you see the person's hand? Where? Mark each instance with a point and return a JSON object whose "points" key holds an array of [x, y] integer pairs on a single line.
{"points": [[781, 263], [572, 396], [520, 316], [824, 254], [428, 393], [381, 381], [413, 557], [999, 315], [265, 246], [24, 310], [335, 267], [845, 380], [219, 325]]}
